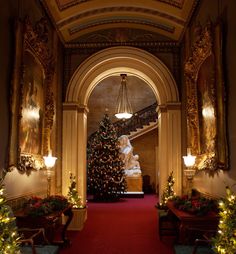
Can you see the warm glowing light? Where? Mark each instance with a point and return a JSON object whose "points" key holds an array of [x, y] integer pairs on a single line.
{"points": [[124, 115], [49, 160], [31, 113], [189, 160], [123, 108], [208, 112]]}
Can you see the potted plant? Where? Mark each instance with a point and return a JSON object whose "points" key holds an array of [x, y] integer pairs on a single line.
{"points": [[168, 194], [79, 210]]}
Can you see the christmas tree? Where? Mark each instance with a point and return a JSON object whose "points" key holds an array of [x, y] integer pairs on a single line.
{"points": [[225, 240], [106, 179], [73, 196], [8, 233], [168, 192]]}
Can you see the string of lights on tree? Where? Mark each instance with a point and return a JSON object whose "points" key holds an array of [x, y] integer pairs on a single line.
{"points": [[225, 240], [168, 192], [73, 196], [8, 232], [106, 179]]}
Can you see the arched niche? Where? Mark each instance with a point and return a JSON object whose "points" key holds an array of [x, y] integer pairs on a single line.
{"points": [[110, 62]]}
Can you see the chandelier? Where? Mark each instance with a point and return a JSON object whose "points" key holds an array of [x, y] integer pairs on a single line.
{"points": [[123, 108]]}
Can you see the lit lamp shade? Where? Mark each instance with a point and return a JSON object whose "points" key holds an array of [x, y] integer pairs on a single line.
{"points": [[49, 160], [189, 162], [123, 108], [123, 115]]}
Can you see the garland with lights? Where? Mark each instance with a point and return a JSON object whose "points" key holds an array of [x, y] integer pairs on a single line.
{"points": [[106, 179], [9, 239], [73, 197], [225, 240], [168, 193]]}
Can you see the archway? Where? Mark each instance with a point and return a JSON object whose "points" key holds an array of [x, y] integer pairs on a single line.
{"points": [[105, 63]]}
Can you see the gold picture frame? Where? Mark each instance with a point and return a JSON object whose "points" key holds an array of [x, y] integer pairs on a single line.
{"points": [[32, 103], [206, 123]]}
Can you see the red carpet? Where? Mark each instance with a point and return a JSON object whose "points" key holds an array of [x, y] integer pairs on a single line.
{"points": [[125, 227]]}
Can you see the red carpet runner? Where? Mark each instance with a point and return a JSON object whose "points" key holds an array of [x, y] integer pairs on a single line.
{"points": [[125, 227]]}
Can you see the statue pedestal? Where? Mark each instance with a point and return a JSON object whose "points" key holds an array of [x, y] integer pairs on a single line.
{"points": [[134, 183], [134, 186]]}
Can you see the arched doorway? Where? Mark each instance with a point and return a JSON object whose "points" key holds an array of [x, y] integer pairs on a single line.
{"points": [[105, 63]]}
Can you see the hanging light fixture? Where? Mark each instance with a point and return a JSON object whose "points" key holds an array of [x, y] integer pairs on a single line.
{"points": [[123, 109]]}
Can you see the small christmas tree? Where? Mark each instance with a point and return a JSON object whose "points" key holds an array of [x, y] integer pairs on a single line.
{"points": [[106, 179], [73, 196], [168, 192], [225, 240], [8, 233]]}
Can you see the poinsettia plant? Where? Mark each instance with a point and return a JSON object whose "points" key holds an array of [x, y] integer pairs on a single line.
{"points": [[57, 202], [37, 206], [195, 205]]}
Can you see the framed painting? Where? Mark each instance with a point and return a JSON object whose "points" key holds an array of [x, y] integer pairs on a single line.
{"points": [[206, 123], [32, 104], [32, 107]]}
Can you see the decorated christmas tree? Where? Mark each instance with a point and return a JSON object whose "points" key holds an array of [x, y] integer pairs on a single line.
{"points": [[8, 233], [168, 192], [106, 179], [225, 240], [73, 196]]}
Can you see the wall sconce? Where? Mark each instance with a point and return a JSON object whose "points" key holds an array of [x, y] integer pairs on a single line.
{"points": [[189, 162], [123, 108], [49, 162], [189, 171]]}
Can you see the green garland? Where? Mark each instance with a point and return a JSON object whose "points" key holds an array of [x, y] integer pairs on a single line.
{"points": [[198, 205]]}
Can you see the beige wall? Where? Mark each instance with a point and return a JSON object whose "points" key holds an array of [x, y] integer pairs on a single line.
{"points": [[145, 146], [214, 184]]}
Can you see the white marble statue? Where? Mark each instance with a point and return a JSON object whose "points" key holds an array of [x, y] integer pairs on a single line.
{"points": [[131, 163]]}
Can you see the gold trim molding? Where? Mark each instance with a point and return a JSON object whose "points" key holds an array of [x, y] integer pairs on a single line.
{"points": [[31, 40], [205, 92]]}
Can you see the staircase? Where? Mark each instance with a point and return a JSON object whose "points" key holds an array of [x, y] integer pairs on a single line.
{"points": [[142, 122]]}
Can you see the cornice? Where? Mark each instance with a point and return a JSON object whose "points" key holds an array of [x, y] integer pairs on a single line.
{"points": [[155, 25], [158, 45]]}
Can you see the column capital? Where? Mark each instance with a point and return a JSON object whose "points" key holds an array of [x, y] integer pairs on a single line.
{"points": [[163, 108], [74, 106]]}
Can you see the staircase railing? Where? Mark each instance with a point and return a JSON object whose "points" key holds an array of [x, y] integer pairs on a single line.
{"points": [[137, 121]]}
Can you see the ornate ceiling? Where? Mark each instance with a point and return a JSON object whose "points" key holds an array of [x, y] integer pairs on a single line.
{"points": [[75, 19]]}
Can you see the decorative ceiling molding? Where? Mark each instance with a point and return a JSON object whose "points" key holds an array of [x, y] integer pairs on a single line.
{"points": [[160, 46], [62, 4], [78, 28], [175, 3], [122, 9], [74, 19]]}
